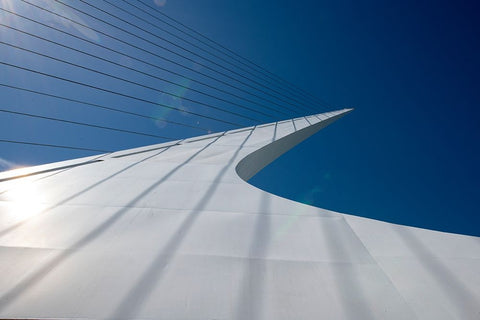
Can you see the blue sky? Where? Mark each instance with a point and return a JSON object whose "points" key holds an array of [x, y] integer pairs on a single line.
{"points": [[408, 154]]}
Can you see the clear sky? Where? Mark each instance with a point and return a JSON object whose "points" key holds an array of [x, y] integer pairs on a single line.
{"points": [[408, 154]]}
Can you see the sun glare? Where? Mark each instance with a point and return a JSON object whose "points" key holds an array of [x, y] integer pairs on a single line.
{"points": [[23, 202]]}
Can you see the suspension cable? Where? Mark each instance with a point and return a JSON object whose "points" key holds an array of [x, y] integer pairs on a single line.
{"points": [[135, 70], [294, 87], [155, 65], [184, 40], [84, 124], [129, 81], [227, 75], [99, 106], [148, 51], [53, 145], [118, 93]]}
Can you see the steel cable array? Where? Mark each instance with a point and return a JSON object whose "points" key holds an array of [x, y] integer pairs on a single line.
{"points": [[227, 52], [227, 75], [222, 76], [156, 65]]}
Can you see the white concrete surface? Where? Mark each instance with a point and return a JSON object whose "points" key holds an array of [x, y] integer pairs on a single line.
{"points": [[172, 231]]}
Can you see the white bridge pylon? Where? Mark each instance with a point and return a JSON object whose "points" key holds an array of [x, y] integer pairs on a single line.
{"points": [[174, 231]]}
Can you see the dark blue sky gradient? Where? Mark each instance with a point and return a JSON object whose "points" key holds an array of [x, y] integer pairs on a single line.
{"points": [[408, 154]]}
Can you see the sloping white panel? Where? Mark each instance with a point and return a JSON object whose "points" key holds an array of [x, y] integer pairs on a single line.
{"points": [[173, 231]]}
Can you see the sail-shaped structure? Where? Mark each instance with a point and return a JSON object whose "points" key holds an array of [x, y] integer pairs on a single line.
{"points": [[174, 231]]}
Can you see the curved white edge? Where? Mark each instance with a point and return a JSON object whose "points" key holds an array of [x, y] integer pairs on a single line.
{"points": [[259, 159], [175, 231]]}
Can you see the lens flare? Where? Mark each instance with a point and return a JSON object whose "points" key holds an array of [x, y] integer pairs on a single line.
{"points": [[290, 222], [160, 3]]}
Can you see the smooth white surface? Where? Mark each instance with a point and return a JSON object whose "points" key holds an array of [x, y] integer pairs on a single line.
{"points": [[173, 232]]}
